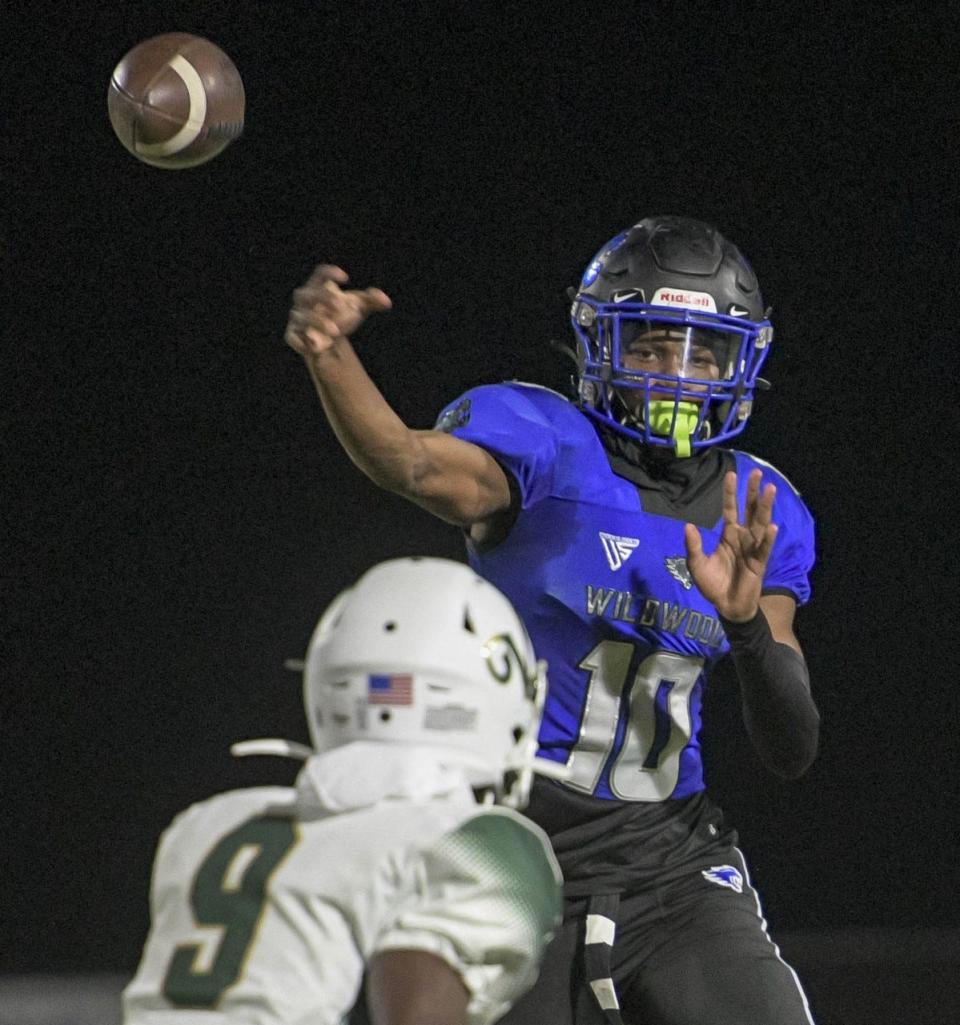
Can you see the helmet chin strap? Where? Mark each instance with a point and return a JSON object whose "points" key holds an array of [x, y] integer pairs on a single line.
{"points": [[271, 746]]}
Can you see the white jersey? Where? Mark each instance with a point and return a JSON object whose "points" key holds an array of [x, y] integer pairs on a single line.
{"points": [[267, 902]]}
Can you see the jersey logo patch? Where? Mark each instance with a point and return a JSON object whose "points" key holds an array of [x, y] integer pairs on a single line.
{"points": [[451, 419], [677, 567], [724, 875], [617, 549]]}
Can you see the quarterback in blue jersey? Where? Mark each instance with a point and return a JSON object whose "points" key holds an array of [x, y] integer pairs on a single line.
{"points": [[640, 548]]}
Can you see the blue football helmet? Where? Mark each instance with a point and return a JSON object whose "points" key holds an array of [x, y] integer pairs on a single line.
{"points": [[672, 333]]}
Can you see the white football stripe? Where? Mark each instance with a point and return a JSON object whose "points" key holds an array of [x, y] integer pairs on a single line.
{"points": [[195, 118], [600, 929]]}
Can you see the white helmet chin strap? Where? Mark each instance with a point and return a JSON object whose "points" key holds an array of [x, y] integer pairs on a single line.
{"points": [[272, 746], [515, 797]]}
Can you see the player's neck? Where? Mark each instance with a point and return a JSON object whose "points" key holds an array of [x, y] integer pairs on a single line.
{"points": [[658, 461]]}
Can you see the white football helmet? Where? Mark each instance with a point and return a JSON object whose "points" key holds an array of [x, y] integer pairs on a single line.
{"points": [[422, 651]]}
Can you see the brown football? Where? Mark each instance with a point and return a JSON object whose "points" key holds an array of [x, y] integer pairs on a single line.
{"points": [[176, 101]]}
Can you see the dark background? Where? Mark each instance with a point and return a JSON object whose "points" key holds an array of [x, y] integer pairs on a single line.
{"points": [[177, 512]]}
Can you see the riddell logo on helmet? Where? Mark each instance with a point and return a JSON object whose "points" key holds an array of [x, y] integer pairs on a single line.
{"points": [[688, 300]]}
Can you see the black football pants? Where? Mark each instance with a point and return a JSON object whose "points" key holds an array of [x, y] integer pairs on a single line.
{"points": [[692, 952]]}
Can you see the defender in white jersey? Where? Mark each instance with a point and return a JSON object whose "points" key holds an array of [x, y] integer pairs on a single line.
{"points": [[268, 904]]}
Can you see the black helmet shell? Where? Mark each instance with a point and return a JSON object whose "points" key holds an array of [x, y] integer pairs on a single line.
{"points": [[677, 254]]}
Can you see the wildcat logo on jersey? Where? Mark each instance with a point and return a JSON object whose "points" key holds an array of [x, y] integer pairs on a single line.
{"points": [[450, 419], [724, 875], [617, 549], [677, 567]]}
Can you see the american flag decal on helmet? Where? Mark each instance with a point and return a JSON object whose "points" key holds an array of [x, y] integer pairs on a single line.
{"points": [[394, 689]]}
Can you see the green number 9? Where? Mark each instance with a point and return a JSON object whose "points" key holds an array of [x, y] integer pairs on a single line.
{"points": [[227, 896]]}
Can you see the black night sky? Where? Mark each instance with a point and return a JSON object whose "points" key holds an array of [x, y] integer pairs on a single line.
{"points": [[176, 511]]}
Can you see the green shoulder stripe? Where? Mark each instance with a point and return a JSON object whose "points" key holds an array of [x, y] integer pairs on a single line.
{"points": [[510, 856]]}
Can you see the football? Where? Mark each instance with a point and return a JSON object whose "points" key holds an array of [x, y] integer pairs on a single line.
{"points": [[176, 101]]}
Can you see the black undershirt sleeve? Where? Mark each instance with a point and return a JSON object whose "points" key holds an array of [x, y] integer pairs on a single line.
{"points": [[778, 710]]}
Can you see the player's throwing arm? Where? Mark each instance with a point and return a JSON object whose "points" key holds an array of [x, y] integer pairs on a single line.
{"points": [[455, 480]]}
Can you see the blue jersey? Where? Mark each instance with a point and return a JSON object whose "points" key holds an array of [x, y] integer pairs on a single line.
{"points": [[604, 589]]}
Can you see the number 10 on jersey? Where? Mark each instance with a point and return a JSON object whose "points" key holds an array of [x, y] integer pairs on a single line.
{"points": [[658, 727]]}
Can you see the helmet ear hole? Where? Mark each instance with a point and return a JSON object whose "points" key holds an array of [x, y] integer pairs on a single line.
{"points": [[517, 734], [390, 626], [468, 622], [386, 715]]}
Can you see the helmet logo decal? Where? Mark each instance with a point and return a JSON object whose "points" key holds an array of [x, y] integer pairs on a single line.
{"points": [[684, 298], [677, 567], [503, 657], [617, 549], [593, 271], [450, 717], [624, 295], [395, 689], [736, 310]]}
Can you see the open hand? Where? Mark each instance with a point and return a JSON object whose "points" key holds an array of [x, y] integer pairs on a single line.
{"points": [[731, 577], [322, 312]]}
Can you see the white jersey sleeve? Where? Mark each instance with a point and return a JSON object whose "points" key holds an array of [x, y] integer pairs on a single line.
{"points": [[491, 884], [264, 915]]}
